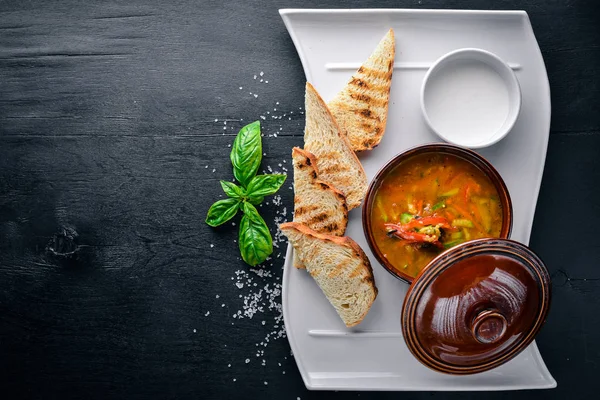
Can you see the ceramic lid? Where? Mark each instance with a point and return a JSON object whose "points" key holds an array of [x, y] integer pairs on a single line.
{"points": [[476, 306]]}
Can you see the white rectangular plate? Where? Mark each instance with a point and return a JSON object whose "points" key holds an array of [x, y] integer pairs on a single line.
{"points": [[332, 44]]}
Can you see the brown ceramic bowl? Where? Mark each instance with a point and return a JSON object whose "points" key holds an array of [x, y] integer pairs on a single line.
{"points": [[438, 148]]}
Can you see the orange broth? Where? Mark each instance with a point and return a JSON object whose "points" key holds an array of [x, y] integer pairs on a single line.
{"points": [[440, 185]]}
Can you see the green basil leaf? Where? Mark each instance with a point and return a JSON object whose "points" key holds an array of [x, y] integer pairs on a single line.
{"points": [[246, 153], [265, 185], [255, 239], [255, 200], [222, 211], [232, 190]]}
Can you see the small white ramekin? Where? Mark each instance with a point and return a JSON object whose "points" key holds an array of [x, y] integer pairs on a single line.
{"points": [[483, 59]]}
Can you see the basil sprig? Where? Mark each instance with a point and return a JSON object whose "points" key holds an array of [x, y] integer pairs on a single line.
{"points": [[255, 241]]}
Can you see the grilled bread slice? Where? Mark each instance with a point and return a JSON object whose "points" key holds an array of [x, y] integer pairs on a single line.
{"points": [[316, 204], [336, 162], [340, 268], [361, 107]]}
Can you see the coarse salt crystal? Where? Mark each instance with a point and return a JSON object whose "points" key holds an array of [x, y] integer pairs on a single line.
{"points": [[261, 73], [254, 76], [207, 314], [255, 96]]}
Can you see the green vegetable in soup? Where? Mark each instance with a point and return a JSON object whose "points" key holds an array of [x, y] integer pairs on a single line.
{"points": [[405, 218], [462, 223], [450, 193], [439, 205]]}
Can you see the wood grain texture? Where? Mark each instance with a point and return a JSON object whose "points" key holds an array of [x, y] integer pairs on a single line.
{"points": [[110, 114]]}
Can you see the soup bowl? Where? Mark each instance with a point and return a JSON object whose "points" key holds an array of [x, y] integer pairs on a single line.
{"points": [[456, 152]]}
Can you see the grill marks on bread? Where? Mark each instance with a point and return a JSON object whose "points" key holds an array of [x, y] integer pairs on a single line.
{"points": [[361, 107], [336, 162], [340, 268], [317, 204]]}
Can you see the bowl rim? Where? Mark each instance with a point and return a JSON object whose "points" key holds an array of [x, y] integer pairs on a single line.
{"points": [[468, 155], [513, 87]]}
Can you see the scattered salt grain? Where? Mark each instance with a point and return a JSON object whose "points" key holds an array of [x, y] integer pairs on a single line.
{"points": [[212, 245], [266, 383], [266, 81], [255, 96], [217, 296], [241, 88], [247, 360], [206, 166], [194, 331], [234, 379], [263, 117], [216, 120], [261, 73], [228, 365], [254, 76], [214, 169], [207, 314]]}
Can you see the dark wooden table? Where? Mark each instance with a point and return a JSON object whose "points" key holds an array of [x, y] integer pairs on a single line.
{"points": [[115, 122]]}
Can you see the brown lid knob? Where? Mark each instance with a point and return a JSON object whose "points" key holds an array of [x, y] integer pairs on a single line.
{"points": [[476, 306]]}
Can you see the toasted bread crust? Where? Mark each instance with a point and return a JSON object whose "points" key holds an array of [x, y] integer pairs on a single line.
{"points": [[356, 251], [330, 216], [361, 107], [334, 168]]}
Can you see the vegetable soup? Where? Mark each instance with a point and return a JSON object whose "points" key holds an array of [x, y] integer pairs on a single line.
{"points": [[429, 203]]}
